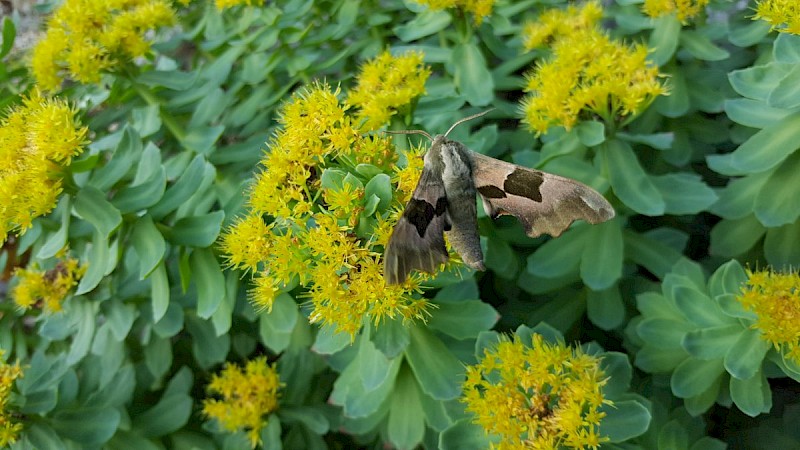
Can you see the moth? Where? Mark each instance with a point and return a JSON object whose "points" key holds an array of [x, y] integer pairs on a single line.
{"points": [[444, 203]]}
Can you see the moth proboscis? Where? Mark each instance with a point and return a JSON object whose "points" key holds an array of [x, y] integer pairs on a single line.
{"points": [[444, 202]]}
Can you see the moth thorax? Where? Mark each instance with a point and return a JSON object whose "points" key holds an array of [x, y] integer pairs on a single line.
{"points": [[457, 167]]}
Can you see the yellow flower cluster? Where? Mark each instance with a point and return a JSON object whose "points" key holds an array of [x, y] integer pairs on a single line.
{"points": [[87, 37], [307, 224], [9, 429], [545, 396], [784, 15], [684, 9], [556, 23], [480, 9], [248, 397], [775, 299], [386, 83], [37, 140], [225, 4], [46, 289], [587, 73]]}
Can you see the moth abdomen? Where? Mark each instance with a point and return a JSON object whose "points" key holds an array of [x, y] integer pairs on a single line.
{"points": [[460, 191]]}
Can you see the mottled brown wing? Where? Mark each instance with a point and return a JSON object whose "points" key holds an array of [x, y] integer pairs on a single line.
{"points": [[417, 242], [543, 202]]}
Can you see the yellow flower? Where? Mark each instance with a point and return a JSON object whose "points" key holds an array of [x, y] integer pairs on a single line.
{"points": [[684, 9], [247, 242], [298, 153], [9, 427], [47, 289], [590, 75], [342, 202], [783, 15], [775, 299], [315, 233], [86, 38], [45, 59], [247, 397], [265, 291], [225, 4], [543, 396], [557, 23], [386, 83], [480, 9], [37, 140]]}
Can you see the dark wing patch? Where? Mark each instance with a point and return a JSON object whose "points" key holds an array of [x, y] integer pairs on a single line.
{"points": [[492, 192], [524, 183], [421, 213]]}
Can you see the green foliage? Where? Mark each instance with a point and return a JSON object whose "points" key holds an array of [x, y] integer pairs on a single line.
{"points": [[703, 183]]}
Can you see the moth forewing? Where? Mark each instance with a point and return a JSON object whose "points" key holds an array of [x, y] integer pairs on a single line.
{"points": [[545, 203], [417, 241]]}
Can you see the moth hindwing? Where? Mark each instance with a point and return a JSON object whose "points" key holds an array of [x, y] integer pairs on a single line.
{"points": [[444, 203]]}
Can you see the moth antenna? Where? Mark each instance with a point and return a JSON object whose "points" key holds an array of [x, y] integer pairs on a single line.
{"points": [[410, 132], [474, 116]]}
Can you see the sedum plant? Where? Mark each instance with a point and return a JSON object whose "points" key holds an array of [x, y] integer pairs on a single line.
{"points": [[719, 339]]}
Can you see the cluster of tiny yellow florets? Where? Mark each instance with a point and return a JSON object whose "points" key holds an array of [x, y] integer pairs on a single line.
{"points": [[46, 289], [37, 140], [9, 428], [225, 4], [247, 397], [480, 9], [544, 396], [557, 23], [683, 9], [85, 38], [775, 299], [587, 73], [299, 230], [783, 15], [386, 83]]}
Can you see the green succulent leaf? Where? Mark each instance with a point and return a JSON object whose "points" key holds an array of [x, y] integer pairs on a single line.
{"points": [[763, 151], [463, 320], [624, 420], [471, 76], [464, 435], [752, 395], [786, 49], [694, 376], [782, 245], [746, 356], [439, 373], [727, 279], [89, 426], [665, 38], [711, 343], [629, 180], [92, 206], [601, 262], [276, 326], [406, 426], [149, 245]]}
